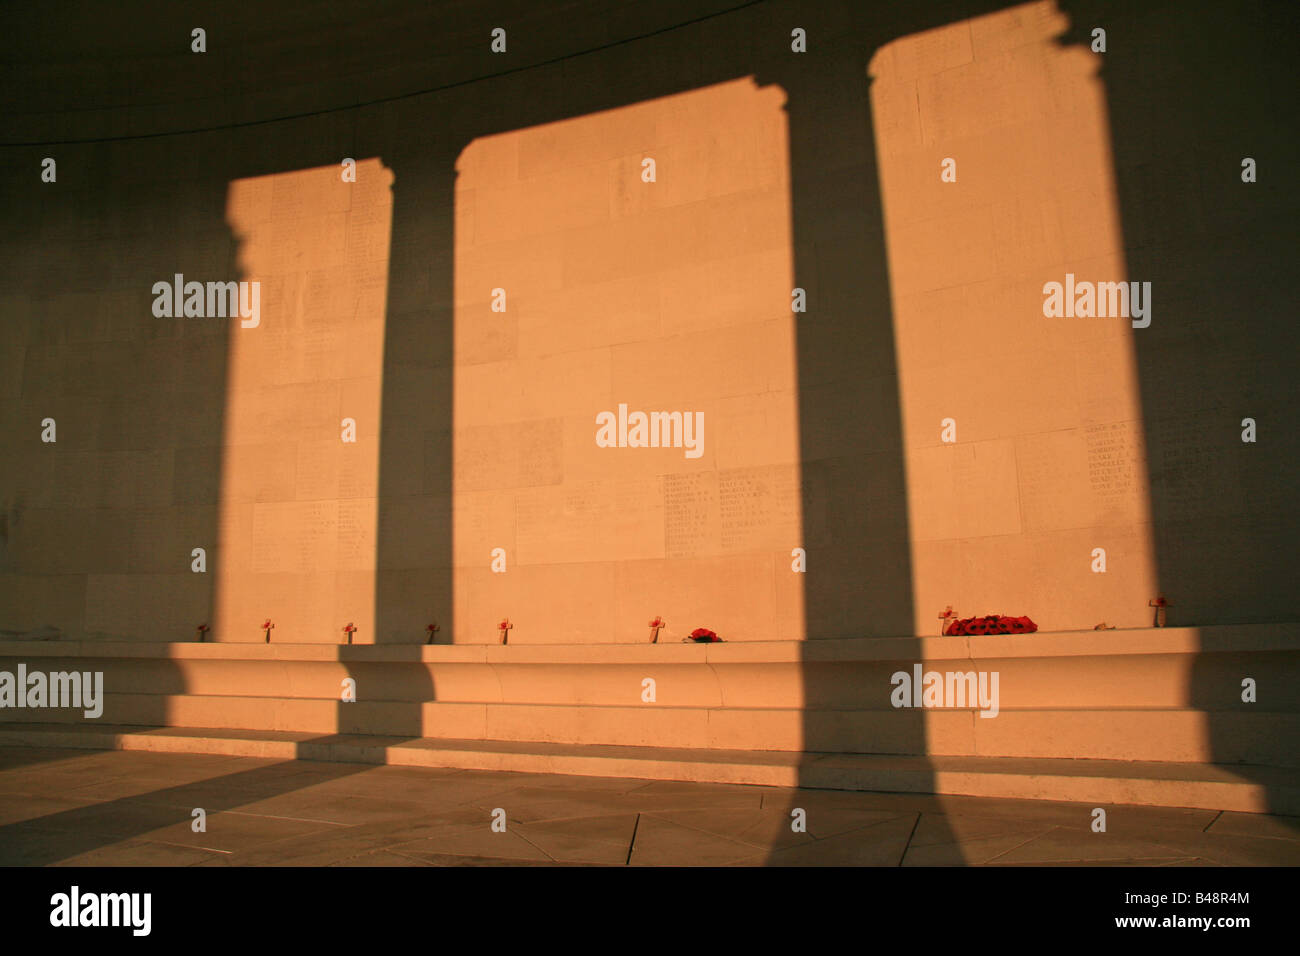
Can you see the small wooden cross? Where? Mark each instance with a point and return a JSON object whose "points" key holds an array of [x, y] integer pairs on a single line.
{"points": [[203, 628], [433, 633], [1159, 603], [267, 627], [945, 617], [655, 627], [348, 629], [505, 627]]}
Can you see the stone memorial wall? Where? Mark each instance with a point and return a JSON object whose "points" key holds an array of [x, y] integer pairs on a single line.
{"points": [[748, 338]]}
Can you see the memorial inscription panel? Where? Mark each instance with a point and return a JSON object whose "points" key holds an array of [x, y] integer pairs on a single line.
{"points": [[1116, 465], [691, 521]]}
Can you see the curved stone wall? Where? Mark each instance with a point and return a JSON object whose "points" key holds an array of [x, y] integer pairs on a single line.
{"points": [[409, 428]]}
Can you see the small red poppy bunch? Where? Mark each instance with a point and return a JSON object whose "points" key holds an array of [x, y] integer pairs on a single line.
{"points": [[992, 624], [702, 635]]}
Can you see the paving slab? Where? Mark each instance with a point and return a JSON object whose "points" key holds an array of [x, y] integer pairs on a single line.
{"points": [[1081, 845], [880, 844], [661, 842], [973, 851], [129, 808], [140, 853], [1255, 824], [578, 841]]}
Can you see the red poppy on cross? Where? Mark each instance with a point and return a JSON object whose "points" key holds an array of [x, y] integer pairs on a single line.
{"points": [[947, 616], [1159, 603]]}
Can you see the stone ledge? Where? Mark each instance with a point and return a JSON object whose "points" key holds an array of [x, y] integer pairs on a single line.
{"points": [[1225, 638]]}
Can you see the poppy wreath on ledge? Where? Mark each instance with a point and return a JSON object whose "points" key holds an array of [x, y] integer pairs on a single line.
{"points": [[992, 624], [702, 635]]}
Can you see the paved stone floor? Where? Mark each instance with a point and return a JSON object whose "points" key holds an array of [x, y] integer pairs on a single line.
{"points": [[110, 808]]}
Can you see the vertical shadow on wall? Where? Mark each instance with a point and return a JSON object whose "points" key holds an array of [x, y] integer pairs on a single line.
{"points": [[856, 524], [104, 518], [413, 425], [164, 382], [1193, 90], [135, 479], [858, 582], [413, 576]]}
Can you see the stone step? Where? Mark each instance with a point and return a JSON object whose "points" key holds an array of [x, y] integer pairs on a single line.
{"points": [[1181, 735], [1143, 669], [1243, 788]]}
